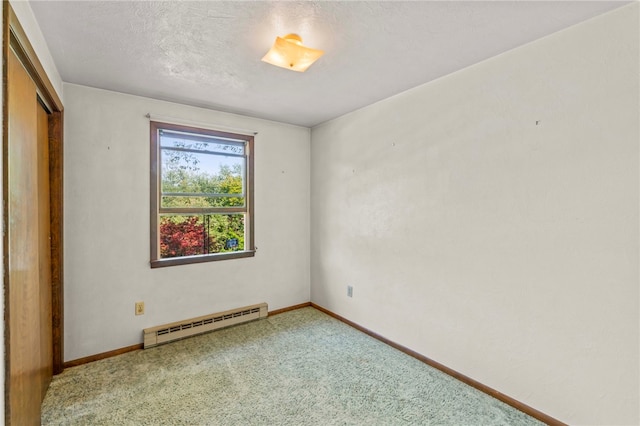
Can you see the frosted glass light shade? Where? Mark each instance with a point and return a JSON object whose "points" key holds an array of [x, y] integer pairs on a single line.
{"points": [[288, 52]]}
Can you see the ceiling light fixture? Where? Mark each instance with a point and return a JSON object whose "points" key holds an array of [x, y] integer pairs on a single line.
{"points": [[289, 52]]}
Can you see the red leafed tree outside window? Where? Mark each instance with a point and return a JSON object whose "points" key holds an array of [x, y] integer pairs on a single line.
{"points": [[181, 239]]}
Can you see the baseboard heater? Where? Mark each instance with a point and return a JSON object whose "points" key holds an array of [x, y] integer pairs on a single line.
{"points": [[154, 336]]}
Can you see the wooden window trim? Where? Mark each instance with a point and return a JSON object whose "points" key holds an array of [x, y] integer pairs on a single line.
{"points": [[155, 209]]}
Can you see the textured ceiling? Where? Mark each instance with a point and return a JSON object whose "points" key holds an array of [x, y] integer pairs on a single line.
{"points": [[207, 53]]}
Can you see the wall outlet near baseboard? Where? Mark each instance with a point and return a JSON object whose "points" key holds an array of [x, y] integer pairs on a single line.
{"points": [[139, 308], [349, 291]]}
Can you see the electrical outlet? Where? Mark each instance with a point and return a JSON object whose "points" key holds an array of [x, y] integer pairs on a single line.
{"points": [[349, 291], [139, 308]]}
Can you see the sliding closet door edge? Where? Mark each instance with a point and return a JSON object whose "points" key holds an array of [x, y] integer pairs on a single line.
{"points": [[56, 150], [5, 241]]}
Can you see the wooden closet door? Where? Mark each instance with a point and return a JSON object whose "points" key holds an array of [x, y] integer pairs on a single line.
{"points": [[26, 267]]}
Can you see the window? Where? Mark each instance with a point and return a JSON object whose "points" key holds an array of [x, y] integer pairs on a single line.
{"points": [[201, 195]]}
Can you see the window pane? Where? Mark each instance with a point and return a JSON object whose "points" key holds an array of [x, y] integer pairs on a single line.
{"points": [[200, 234], [201, 180]]}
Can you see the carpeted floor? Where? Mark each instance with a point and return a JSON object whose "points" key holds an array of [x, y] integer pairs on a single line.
{"points": [[297, 368]]}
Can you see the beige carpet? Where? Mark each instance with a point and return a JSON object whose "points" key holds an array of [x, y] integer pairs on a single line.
{"points": [[297, 368]]}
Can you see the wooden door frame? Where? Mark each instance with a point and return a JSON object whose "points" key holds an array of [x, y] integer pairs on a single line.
{"points": [[14, 37]]}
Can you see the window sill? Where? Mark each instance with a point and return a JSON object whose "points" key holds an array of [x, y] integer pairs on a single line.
{"points": [[186, 260]]}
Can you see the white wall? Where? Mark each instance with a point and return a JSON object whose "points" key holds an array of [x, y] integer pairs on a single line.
{"points": [[107, 224], [489, 220]]}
